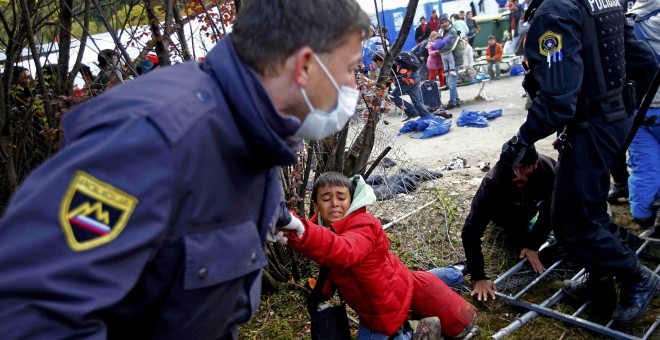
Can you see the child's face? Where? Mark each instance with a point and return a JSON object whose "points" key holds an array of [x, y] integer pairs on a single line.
{"points": [[332, 202], [491, 41]]}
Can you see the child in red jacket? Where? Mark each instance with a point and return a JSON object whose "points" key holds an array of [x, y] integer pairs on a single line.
{"points": [[372, 280]]}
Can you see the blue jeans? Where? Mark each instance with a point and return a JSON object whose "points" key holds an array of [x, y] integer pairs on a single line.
{"points": [[449, 275], [644, 162], [415, 93], [452, 82], [365, 333]]}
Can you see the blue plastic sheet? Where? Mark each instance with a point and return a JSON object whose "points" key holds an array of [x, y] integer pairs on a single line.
{"points": [[430, 125], [517, 70], [492, 114], [481, 76], [472, 119], [435, 128]]}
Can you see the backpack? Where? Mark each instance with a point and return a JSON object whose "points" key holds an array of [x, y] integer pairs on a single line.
{"points": [[409, 61]]}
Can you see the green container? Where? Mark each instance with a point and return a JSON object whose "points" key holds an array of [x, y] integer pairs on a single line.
{"points": [[490, 25]]}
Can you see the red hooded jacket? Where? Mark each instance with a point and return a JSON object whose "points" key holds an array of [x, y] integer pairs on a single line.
{"points": [[371, 279]]}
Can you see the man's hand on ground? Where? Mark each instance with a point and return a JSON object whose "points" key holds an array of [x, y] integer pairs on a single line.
{"points": [[484, 288], [533, 258]]}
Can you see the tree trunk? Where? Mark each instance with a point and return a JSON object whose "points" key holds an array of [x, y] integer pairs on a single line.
{"points": [[364, 143], [178, 27], [162, 41], [65, 21]]}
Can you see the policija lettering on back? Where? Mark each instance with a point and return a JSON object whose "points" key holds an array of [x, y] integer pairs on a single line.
{"points": [[599, 6]]}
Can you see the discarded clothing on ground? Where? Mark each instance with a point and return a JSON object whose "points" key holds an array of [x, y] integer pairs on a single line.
{"points": [[456, 163], [404, 182], [430, 126], [477, 118]]}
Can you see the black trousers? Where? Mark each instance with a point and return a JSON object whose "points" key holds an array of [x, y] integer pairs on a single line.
{"points": [[619, 170], [579, 207]]}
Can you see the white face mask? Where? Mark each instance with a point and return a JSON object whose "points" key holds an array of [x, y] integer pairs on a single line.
{"points": [[319, 124]]}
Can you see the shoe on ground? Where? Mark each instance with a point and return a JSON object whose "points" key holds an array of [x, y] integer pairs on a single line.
{"points": [[426, 328], [470, 332], [636, 296], [618, 190], [461, 266], [450, 106], [587, 287]]}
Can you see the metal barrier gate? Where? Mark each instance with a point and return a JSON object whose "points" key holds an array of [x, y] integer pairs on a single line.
{"points": [[544, 307]]}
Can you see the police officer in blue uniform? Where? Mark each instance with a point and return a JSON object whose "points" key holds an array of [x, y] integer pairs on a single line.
{"points": [[580, 54], [151, 221]]}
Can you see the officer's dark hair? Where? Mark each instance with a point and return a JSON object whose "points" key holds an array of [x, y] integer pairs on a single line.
{"points": [[266, 32], [332, 179], [378, 56]]}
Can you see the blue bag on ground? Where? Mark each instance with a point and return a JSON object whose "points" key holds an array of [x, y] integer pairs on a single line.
{"points": [[517, 70], [472, 119], [481, 76], [436, 127], [492, 114], [414, 125]]}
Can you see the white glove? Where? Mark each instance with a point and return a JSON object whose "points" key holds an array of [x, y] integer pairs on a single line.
{"points": [[295, 225], [277, 237]]}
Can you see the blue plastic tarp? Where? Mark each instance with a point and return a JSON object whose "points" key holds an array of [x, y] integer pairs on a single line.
{"points": [[429, 126], [472, 119]]}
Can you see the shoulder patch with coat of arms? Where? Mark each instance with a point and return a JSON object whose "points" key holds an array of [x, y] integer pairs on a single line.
{"points": [[550, 45], [93, 213]]}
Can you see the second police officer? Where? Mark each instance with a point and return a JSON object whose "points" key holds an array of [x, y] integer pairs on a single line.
{"points": [[580, 53]]}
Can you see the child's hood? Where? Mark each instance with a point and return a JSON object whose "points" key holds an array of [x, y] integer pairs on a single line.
{"points": [[363, 194]]}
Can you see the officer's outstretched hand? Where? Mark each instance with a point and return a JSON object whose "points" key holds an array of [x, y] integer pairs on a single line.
{"points": [[533, 258], [295, 226], [484, 288]]}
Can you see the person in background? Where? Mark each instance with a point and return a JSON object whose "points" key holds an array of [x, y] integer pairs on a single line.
{"points": [[493, 57], [468, 53], [434, 22], [473, 28], [422, 31], [434, 62]]}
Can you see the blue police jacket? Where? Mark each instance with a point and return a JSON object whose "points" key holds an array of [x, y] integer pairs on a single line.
{"points": [[151, 221]]}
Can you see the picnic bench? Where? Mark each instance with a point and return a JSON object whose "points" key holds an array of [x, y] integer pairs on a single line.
{"points": [[482, 95], [508, 59]]}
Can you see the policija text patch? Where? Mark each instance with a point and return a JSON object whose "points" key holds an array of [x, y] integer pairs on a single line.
{"points": [[93, 213]]}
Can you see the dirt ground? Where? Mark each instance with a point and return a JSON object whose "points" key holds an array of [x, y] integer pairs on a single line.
{"points": [[473, 144], [282, 315]]}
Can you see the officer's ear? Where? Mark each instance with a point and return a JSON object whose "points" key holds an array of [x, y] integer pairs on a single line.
{"points": [[536, 164], [302, 60]]}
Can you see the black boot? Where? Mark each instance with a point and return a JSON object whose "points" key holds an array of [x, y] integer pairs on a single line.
{"points": [[637, 292], [618, 190], [590, 287]]}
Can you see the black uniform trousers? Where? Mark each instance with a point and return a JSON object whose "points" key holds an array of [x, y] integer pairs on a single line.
{"points": [[579, 207]]}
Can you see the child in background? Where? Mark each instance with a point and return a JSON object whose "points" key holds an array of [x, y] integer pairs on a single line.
{"points": [[372, 280], [468, 53], [434, 62]]}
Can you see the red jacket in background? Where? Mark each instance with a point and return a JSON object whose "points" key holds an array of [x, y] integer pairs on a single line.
{"points": [[372, 279], [434, 23], [498, 53]]}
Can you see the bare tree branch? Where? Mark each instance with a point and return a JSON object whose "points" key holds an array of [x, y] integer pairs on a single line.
{"points": [[113, 34]]}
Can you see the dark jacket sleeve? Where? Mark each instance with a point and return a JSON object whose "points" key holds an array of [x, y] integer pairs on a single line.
{"points": [[474, 227], [283, 216], [560, 82], [81, 230]]}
